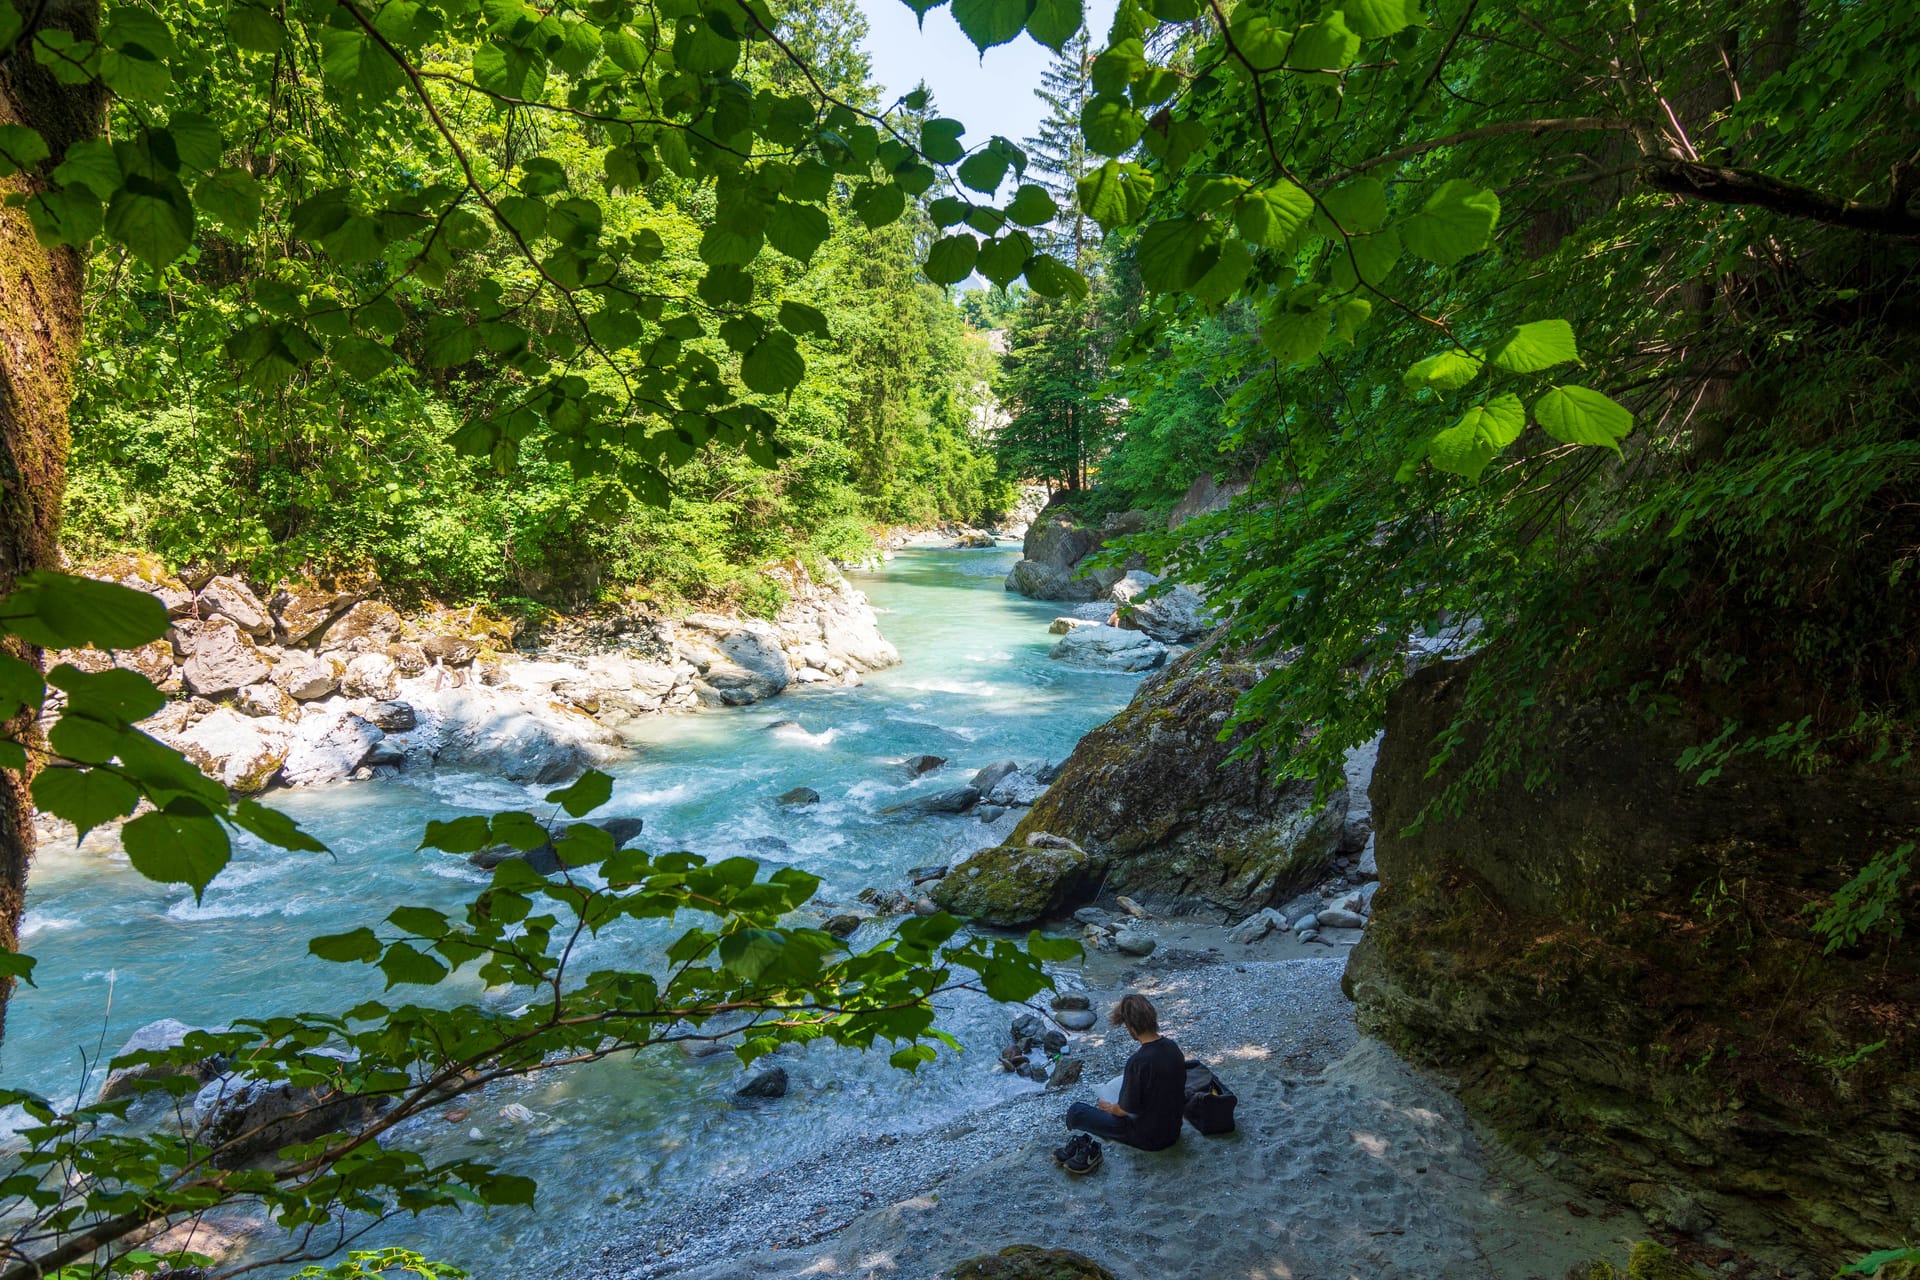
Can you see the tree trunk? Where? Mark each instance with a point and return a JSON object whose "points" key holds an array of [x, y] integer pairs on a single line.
{"points": [[40, 297]]}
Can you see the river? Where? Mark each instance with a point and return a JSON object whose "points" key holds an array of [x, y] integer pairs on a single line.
{"points": [[612, 1141]]}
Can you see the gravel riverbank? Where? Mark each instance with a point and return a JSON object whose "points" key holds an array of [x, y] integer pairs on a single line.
{"points": [[1346, 1162]]}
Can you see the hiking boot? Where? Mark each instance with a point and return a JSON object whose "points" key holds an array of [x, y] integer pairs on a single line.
{"points": [[1072, 1146], [1085, 1160]]}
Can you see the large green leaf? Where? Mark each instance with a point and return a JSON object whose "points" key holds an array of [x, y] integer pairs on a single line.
{"points": [[1274, 216], [1116, 194], [1175, 253], [1295, 337], [1581, 415], [1001, 261], [87, 798], [63, 611], [1054, 22], [587, 793], [1111, 125], [1457, 220], [1377, 19], [1031, 206], [1448, 371], [940, 140], [951, 258], [774, 366], [1532, 347], [1324, 45], [177, 845], [990, 22], [1357, 207], [153, 217]]}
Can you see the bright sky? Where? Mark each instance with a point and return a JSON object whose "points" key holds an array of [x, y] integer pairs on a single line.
{"points": [[989, 95]]}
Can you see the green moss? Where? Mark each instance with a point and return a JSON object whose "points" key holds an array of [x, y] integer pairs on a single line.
{"points": [[1030, 1262]]}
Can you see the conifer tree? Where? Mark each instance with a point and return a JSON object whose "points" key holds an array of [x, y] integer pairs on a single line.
{"points": [[1057, 156]]}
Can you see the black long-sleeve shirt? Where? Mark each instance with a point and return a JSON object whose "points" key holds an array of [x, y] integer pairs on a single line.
{"points": [[1154, 1092]]}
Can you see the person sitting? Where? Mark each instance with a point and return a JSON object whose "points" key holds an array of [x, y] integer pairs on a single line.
{"points": [[1153, 1093]]}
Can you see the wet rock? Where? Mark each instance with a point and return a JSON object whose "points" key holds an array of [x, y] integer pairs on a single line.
{"points": [[233, 600], [766, 847], [1016, 790], [769, 1084], [385, 753], [159, 1037], [221, 659], [921, 875], [1029, 1262], [1027, 1028], [842, 926], [800, 795], [989, 777], [1077, 1019], [1053, 1040], [990, 812], [958, 800], [1109, 649], [915, 766], [523, 737], [778, 725], [248, 1120]]}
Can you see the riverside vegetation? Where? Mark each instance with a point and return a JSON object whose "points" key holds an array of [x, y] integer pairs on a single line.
{"points": [[1562, 363]]}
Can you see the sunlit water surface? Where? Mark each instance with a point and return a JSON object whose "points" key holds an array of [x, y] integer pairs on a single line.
{"points": [[610, 1141]]}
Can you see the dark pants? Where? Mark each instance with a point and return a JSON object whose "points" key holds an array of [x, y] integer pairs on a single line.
{"points": [[1102, 1125]]}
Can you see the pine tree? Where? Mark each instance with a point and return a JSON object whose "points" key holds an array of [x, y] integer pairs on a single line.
{"points": [[1057, 156]]}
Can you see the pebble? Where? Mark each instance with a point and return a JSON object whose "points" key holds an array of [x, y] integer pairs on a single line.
{"points": [[842, 926]]}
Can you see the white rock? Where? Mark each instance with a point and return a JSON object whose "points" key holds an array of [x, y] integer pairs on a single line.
{"points": [[1176, 616], [1060, 626], [308, 679], [809, 675], [264, 700], [1368, 865], [1341, 918], [221, 659], [1136, 583], [1110, 648], [1257, 926], [240, 751], [233, 600]]}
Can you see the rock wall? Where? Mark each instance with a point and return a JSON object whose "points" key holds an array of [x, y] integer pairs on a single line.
{"points": [[1157, 806], [321, 683], [1617, 971]]}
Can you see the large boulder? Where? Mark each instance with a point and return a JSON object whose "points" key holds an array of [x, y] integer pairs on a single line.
{"points": [[143, 572], [222, 658], [232, 599], [739, 662], [1057, 540], [163, 1036], [1015, 885], [1160, 797], [523, 737], [308, 679], [1204, 497], [327, 747], [1110, 649], [369, 625], [246, 1120], [1617, 963], [301, 613], [1049, 568], [1174, 615], [374, 676]]}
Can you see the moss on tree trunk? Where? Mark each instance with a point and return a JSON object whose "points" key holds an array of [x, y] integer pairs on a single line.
{"points": [[40, 326]]}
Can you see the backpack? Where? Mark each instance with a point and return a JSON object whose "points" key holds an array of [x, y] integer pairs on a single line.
{"points": [[1209, 1105]]}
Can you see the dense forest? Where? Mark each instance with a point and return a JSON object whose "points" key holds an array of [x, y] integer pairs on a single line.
{"points": [[1581, 343]]}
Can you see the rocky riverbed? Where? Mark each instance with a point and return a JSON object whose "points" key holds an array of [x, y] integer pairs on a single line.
{"points": [[312, 683]]}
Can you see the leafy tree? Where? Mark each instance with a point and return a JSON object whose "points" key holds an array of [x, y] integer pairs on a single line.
{"points": [[1051, 388]]}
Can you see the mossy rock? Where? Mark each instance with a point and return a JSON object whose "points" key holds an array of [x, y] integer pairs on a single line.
{"points": [[1012, 885], [1030, 1262], [1646, 1261]]}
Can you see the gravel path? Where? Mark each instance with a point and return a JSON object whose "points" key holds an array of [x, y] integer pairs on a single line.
{"points": [[1347, 1162]]}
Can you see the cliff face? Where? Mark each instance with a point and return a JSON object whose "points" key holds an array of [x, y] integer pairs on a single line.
{"points": [[1155, 800], [1618, 971]]}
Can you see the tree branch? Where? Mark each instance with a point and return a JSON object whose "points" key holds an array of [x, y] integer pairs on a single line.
{"points": [[1718, 184]]}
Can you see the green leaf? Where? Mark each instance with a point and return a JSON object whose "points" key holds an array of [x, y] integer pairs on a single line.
{"points": [[274, 827], [1448, 371], [1042, 947], [1357, 207], [1110, 125], [233, 197], [113, 694], [1032, 206], [1532, 347], [990, 22], [1466, 448], [774, 366], [1001, 261], [587, 793], [940, 140], [62, 611], [1054, 22], [153, 217], [176, 846], [951, 258], [1457, 220], [1175, 253], [986, 168], [87, 798], [451, 341], [460, 835], [21, 149], [1274, 216], [1324, 45], [405, 966], [878, 203], [1116, 194], [359, 945], [422, 922], [254, 27], [1051, 278], [361, 358], [1295, 337], [1364, 258], [21, 685], [1378, 19], [798, 317], [1581, 415], [1349, 316], [797, 229], [135, 48]]}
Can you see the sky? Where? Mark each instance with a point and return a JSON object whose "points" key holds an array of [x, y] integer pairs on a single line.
{"points": [[990, 95]]}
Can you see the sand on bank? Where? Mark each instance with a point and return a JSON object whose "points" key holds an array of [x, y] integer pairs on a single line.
{"points": [[1347, 1162]]}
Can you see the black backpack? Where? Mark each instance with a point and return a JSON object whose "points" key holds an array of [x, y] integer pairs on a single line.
{"points": [[1209, 1106]]}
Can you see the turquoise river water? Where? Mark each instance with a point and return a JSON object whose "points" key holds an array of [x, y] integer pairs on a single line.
{"points": [[609, 1141]]}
